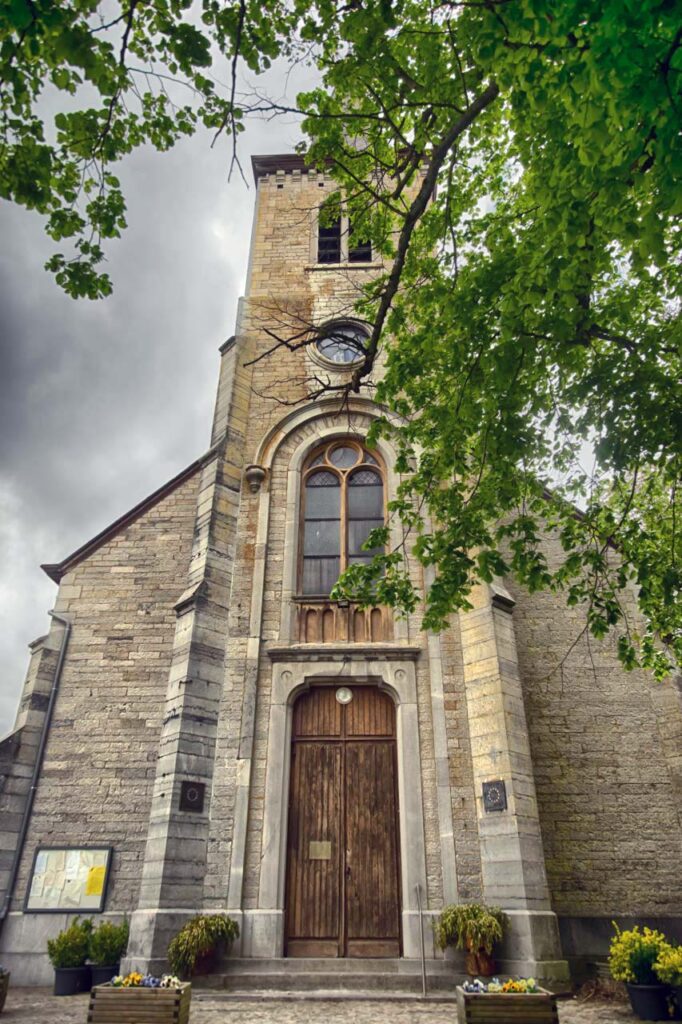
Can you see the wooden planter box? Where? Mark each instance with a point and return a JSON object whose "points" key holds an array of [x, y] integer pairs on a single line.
{"points": [[4, 986], [500, 1007], [109, 1005]]}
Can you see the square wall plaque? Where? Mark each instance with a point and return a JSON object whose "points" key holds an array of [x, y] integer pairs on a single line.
{"points": [[192, 796], [494, 796]]}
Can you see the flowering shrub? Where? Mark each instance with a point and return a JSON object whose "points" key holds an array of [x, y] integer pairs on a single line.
{"points": [[496, 986], [137, 980], [633, 953], [668, 966], [520, 985]]}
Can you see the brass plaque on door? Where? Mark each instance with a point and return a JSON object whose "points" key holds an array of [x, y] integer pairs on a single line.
{"points": [[320, 850]]}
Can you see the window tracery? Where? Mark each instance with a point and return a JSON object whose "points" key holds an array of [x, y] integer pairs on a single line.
{"points": [[342, 502]]}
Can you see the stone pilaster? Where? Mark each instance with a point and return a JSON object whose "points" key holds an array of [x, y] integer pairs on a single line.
{"points": [[176, 851], [19, 749], [512, 856]]}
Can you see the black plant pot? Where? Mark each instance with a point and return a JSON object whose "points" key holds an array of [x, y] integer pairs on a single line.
{"points": [[677, 994], [649, 1002], [69, 981], [101, 975]]}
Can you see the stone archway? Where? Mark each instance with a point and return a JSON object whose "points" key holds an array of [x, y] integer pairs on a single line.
{"points": [[264, 928]]}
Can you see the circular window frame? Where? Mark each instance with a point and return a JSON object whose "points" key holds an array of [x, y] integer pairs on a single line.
{"points": [[324, 332]]}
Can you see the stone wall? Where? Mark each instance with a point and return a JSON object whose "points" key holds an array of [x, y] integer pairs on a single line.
{"points": [[606, 752], [98, 769]]}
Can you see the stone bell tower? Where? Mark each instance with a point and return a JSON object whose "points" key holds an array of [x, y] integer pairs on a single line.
{"points": [[249, 640]]}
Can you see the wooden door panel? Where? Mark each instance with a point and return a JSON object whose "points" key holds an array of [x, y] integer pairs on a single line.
{"points": [[317, 713], [370, 713], [373, 922], [343, 895], [314, 862]]}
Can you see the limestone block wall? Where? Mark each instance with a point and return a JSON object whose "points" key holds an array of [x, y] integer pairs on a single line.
{"points": [[460, 769], [606, 764], [95, 786]]}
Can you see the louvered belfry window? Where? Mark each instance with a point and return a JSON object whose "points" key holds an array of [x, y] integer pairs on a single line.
{"points": [[329, 242], [334, 232], [342, 501]]}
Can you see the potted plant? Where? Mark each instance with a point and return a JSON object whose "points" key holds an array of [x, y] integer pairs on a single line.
{"points": [[4, 985], [108, 943], [632, 956], [668, 968], [197, 945], [68, 952], [474, 927]]}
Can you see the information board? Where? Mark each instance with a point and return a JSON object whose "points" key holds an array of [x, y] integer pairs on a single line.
{"points": [[68, 878]]}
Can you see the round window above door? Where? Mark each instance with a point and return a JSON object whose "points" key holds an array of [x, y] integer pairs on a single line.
{"points": [[343, 343]]}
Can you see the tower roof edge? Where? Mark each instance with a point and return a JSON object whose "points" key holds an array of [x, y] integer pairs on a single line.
{"points": [[271, 163]]}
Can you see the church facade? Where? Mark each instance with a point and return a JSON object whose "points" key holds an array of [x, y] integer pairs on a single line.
{"points": [[329, 776]]}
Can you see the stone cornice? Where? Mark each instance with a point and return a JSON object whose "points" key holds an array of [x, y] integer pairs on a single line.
{"points": [[343, 652]]}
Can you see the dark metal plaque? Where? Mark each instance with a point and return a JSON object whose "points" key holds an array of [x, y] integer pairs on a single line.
{"points": [[192, 796], [495, 796]]}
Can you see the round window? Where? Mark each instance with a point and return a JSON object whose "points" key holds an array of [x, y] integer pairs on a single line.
{"points": [[343, 344]]}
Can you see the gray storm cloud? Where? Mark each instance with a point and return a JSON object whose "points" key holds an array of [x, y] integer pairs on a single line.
{"points": [[101, 403]]}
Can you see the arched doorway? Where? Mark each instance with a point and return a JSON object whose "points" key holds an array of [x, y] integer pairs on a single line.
{"points": [[343, 891]]}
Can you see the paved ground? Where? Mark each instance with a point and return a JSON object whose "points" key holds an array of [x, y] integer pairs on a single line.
{"points": [[38, 1006]]}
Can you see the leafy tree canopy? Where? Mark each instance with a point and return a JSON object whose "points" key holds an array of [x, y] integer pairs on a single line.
{"points": [[529, 313]]}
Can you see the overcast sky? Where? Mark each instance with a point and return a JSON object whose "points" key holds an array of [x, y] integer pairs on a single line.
{"points": [[102, 402]]}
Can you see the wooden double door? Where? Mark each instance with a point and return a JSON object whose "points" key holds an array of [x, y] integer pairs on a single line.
{"points": [[343, 894]]}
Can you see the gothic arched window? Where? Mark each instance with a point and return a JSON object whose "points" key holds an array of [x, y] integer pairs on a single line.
{"points": [[342, 501]]}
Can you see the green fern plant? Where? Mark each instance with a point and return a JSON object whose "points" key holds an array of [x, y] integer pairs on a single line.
{"points": [[202, 935], [470, 926]]}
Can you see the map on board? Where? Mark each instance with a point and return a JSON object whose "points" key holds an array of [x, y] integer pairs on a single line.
{"points": [[67, 879]]}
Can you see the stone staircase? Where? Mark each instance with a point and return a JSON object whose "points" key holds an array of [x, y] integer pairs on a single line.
{"points": [[327, 978]]}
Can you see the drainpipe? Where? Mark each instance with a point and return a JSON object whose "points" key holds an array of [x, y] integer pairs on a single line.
{"points": [[4, 910]]}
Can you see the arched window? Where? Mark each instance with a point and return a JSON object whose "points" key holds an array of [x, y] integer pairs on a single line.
{"points": [[342, 501]]}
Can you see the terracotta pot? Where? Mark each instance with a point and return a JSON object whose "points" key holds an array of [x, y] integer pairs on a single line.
{"points": [[486, 964], [206, 962], [479, 963]]}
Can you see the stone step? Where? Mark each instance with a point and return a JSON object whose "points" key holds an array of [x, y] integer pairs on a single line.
{"points": [[318, 995], [348, 977], [340, 965]]}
